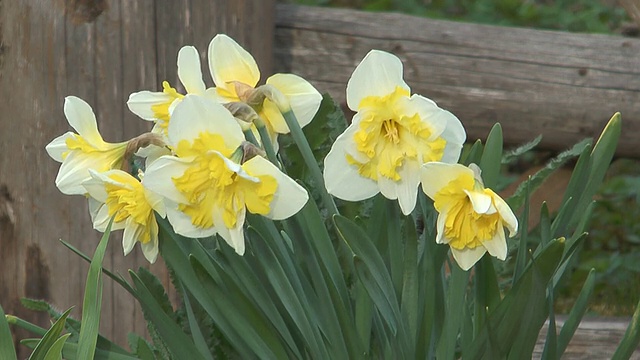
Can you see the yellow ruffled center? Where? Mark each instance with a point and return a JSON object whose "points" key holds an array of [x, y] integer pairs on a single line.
{"points": [[464, 228], [126, 200], [210, 185], [387, 137], [161, 111], [107, 156]]}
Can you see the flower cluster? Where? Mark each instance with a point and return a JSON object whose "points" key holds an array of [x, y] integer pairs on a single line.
{"points": [[204, 165]]}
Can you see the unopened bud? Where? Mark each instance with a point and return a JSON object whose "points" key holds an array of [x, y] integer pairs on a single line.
{"points": [[242, 112]]}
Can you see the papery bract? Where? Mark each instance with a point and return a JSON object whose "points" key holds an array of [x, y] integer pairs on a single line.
{"points": [[236, 75], [207, 185], [158, 106], [391, 135], [471, 218], [82, 151], [117, 193]]}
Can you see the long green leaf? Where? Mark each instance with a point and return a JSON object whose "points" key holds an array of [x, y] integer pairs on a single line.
{"points": [[577, 312], [409, 299], [536, 180], [178, 343], [511, 155], [92, 302], [490, 161], [55, 351], [49, 338], [631, 338], [521, 259], [196, 333], [455, 301], [70, 350], [379, 284], [7, 351]]}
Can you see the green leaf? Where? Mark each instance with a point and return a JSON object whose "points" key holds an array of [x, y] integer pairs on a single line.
{"points": [[371, 270], [92, 302], [49, 338], [577, 312], [521, 259], [7, 351], [55, 351], [536, 180], [70, 350], [490, 161], [511, 329], [455, 301], [410, 286], [194, 327], [550, 351], [512, 155], [631, 338], [178, 343], [473, 155], [239, 311]]}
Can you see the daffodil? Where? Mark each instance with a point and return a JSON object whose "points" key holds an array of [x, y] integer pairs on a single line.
{"points": [[392, 134], [117, 194], [158, 106], [209, 184], [84, 150], [471, 218], [236, 75]]}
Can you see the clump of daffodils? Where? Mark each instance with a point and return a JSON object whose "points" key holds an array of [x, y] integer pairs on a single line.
{"points": [[206, 166]]}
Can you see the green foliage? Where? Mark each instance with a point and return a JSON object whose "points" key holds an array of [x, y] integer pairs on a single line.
{"points": [[591, 16]]}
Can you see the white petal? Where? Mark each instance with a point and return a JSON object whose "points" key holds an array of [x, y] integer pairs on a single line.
{"points": [[99, 214], [442, 219], [82, 119], [156, 202], [190, 70], [235, 236], [429, 113], [466, 258], [58, 146], [481, 202], [140, 103], [436, 175], [378, 74], [182, 224], [158, 177], [196, 114], [131, 234], [507, 215], [229, 62], [304, 99], [290, 197], [455, 135], [498, 245], [388, 187], [407, 189], [151, 153], [342, 179], [73, 172], [150, 249], [95, 187]]}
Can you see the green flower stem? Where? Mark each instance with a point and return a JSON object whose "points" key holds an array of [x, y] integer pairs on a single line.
{"points": [[310, 160], [248, 134], [14, 320], [266, 142]]}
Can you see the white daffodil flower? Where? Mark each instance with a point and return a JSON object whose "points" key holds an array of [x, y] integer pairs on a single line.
{"points": [[392, 134], [84, 150], [206, 186], [471, 218], [158, 106], [236, 75], [117, 193]]}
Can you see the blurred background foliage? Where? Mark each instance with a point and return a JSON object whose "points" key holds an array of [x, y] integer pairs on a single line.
{"points": [[613, 245]]}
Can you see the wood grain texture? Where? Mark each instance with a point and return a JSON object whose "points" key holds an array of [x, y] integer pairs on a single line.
{"points": [[100, 51], [562, 85], [595, 338]]}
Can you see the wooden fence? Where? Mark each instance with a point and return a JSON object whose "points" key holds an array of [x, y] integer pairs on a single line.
{"points": [[565, 86]]}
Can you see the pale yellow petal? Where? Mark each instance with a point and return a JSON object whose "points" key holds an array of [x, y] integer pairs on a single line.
{"points": [[378, 74], [158, 177], [481, 202], [229, 62], [303, 98], [81, 117], [466, 257], [190, 70], [497, 246], [58, 146], [289, 198], [436, 175], [507, 215], [140, 103]]}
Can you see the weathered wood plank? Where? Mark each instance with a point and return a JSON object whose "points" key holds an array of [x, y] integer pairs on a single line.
{"points": [[562, 85], [100, 51], [595, 338]]}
